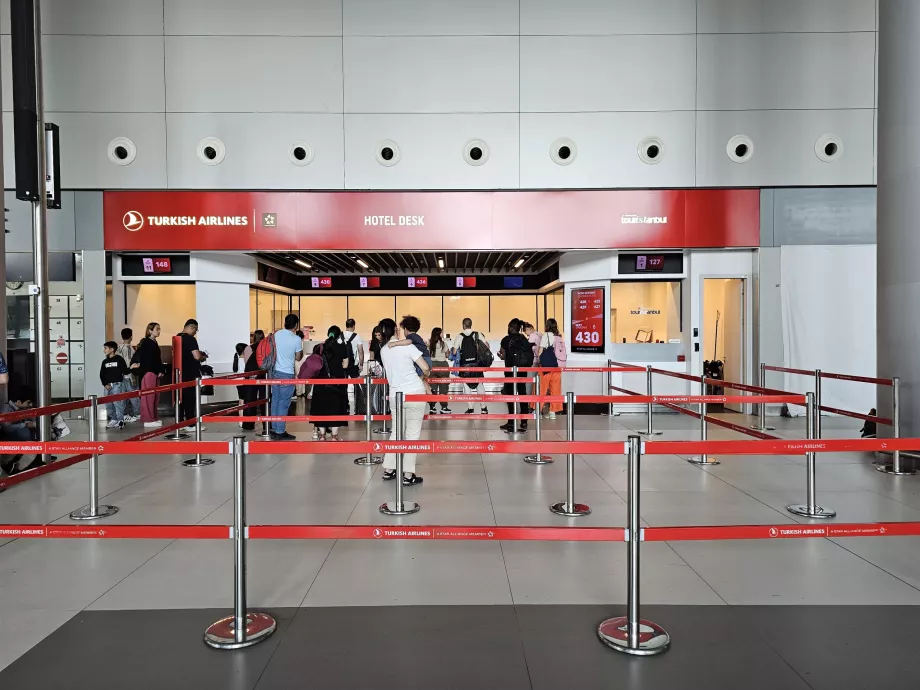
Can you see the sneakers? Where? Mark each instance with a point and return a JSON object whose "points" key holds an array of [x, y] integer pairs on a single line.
{"points": [[412, 479], [445, 410], [549, 415], [153, 425], [130, 419], [282, 437], [484, 410], [389, 475], [115, 424], [315, 434], [507, 426], [63, 432], [470, 410]]}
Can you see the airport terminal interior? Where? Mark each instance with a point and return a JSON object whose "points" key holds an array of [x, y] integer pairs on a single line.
{"points": [[459, 344]]}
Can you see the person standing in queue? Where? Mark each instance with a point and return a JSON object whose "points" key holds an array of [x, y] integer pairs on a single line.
{"points": [[400, 363], [147, 363], [288, 350], [515, 351], [253, 393], [466, 349], [439, 354], [129, 385], [551, 355], [192, 358], [331, 399]]}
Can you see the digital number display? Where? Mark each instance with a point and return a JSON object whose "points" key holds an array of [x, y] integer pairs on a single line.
{"points": [[369, 281], [163, 265], [466, 281], [650, 263], [420, 282], [588, 322], [321, 282]]}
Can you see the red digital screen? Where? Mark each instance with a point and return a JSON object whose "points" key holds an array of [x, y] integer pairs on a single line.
{"points": [[466, 281], [162, 265], [370, 281], [321, 282], [421, 282], [650, 263], [588, 322]]}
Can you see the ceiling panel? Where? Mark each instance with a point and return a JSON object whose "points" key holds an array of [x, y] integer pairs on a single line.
{"points": [[409, 263]]}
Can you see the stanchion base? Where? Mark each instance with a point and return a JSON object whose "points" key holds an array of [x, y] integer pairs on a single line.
{"points": [[652, 637], [901, 472], [539, 459], [650, 433], [703, 460], [817, 512], [259, 626], [756, 427], [86, 514], [408, 507], [177, 437], [195, 462], [372, 460], [261, 435], [576, 510], [383, 430]]}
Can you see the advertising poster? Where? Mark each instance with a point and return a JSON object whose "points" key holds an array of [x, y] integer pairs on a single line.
{"points": [[588, 322]]}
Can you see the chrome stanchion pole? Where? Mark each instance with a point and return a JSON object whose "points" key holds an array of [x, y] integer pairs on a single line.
{"points": [[516, 408], [368, 459], [93, 511], [198, 461], [386, 396], [762, 407], [703, 459], [569, 508], [894, 467], [608, 378], [648, 391], [630, 634], [399, 507], [178, 434], [266, 426], [811, 509], [538, 458], [817, 412], [242, 629]]}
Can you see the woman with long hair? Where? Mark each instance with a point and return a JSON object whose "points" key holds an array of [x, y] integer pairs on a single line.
{"points": [[331, 399], [551, 355], [400, 363], [439, 353], [148, 364], [253, 393]]}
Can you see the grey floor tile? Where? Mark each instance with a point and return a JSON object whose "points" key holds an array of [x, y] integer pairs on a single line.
{"points": [[22, 630]]}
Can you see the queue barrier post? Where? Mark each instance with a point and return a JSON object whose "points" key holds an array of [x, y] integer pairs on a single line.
{"points": [[569, 508], [514, 390], [608, 383], [266, 426], [895, 467], [178, 434], [368, 459], [243, 628], [386, 397], [649, 431], [762, 407], [811, 509], [93, 511], [399, 506], [704, 458], [630, 634], [817, 411], [538, 458], [198, 461]]}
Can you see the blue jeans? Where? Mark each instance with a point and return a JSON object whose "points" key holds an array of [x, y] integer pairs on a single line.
{"points": [[132, 405], [281, 400], [116, 410]]}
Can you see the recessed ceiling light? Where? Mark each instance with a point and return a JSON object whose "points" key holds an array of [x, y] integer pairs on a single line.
{"points": [[519, 262], [362, 263], [303, 263], [440, 263]]}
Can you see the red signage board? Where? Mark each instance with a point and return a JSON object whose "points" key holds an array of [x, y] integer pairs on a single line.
{"points": [[588, 322], [412, 221]]}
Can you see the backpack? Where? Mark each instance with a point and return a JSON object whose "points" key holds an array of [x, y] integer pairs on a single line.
{"points": [[559, 349], [266, 354], [311, 367], [548, 357], [474, 352], [352, 369], [518, 350]]}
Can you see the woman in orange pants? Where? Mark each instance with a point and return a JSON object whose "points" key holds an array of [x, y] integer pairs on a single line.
{"points": [[551, 355]]}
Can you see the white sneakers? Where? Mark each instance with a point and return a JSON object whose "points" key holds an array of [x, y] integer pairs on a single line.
{"points": [[151, 425], [115, 424]]}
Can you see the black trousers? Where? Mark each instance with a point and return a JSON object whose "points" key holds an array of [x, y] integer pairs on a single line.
{"points": [[187, 408], [509, 389]]}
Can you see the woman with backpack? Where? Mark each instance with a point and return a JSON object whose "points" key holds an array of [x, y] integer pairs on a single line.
{"points": [[551, 355], [439, 354], [331, 399]]}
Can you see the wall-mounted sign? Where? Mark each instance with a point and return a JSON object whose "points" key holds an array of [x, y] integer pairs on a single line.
{"points": [[325, 282], [420, 282], [162, 265], [369, 281], [588, 322]]}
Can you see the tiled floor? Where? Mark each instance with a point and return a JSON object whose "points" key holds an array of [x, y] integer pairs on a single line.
{"points": [[47, 583]]}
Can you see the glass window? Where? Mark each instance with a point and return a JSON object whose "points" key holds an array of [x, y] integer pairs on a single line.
{"points": [[265, 303], [367, 311], [168, 304], [503, 308], [426, 308], [318, 313], [646, 311], [459, 307], [541, 313], [253, 309]]}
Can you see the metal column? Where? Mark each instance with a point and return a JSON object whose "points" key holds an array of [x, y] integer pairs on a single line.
{"points": [[703, 459], [198, 461], [368, 459], [569, 508], [817, 420], [93, 511], [811, 509], [178, 434], [648, 391], [538, 458], [399, 506], [895, 467], [266, 426], [762, 407]]}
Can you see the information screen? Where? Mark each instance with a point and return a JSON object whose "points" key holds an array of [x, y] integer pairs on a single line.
{"points": [[370, 281], [588, 322], [163, 265], [420, 282], [466, 281], [325, 282], [653, 262]]}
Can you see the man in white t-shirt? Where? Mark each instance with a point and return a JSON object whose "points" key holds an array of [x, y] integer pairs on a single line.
{"points": [[475, 388], [353, 340]]}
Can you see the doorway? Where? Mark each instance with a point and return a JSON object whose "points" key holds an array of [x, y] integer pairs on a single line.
{"points": [[723, 329]]}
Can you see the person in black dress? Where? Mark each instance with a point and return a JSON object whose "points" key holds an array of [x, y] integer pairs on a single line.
{"points": [[331, 399]]}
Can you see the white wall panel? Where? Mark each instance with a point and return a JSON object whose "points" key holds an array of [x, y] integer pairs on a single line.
{"points": [[431, 147], [6, 71], [756, 16], [785, 71], [84, 150], [253, 74], [592, 17], [784, 148], [118, 74], [430, 17], [573, 74], [607, 149], [430, 75], [103, 17], [249, 18], [257, 150]]}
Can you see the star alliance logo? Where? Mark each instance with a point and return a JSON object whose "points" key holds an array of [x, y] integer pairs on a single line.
{"points": [[269, 220]]}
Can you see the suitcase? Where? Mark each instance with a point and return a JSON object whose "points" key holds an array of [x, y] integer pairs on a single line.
{"points": [[360, 398]]}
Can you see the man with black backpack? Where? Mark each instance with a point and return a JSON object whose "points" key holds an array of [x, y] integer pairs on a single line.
{"points": [[355, 353], [471, 350], [516, 351]]}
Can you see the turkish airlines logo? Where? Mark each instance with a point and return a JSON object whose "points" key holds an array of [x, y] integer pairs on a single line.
{"points": [[133, 221]]}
